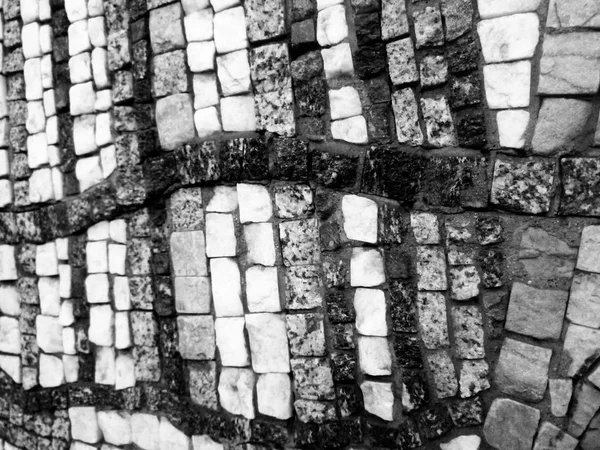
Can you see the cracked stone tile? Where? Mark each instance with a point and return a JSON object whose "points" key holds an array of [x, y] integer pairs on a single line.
{"points": [[580, 348], [511, 425], [509, 38], [586, 405]]}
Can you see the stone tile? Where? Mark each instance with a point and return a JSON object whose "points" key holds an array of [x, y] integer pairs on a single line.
{"points": [[200, 58], [374, 356], [174, 120], [474, 377], [509, 38], [188, 253], [268, 342], [115, 427], [560, 124], [523, 184], [587, 259], [313, 379], [306, 334], [366, 268], [528, 383], [428, 26], [270, 68], [274, 395], [145, 430], [300, 242], [171, 437], [586, 405], [584, 302], [303, 287], [231, 342], [265, 20], [260, 243], [507, 85], [353, 130], [166, 70], [84, 424], [220, 235], [360, 218], [580, 348], [550, 436], [394, 22], [370, 308], [234, 72], [262, 289], [378, 399], [444, 377], [313, 411], [344, 103], [198, 25], [401, 61], [406, 117], [570, 64], [467, 323], [512, 125], [432, 319], [224, 200], [255, 203], [511, 425], [491, 8], [458, 17], [464, 283], [337, 61], [438, 122], [293, 201], [433, 69], [590, 437], [8, 267], [431, 269], [568, 14], [464, 442], [580, 189], [536, 312], [561, 391], [196, 337], [226, 287], [203, 383], [236, 391], [230, 30], [425, 228], [166, 28], [331, 25]]}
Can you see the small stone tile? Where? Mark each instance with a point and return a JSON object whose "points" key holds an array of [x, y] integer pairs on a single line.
{"points": [[236, 391], [337, 61], [300, 242], [406, 117], [231, 342], [394, 21], [374, 356], [428, 27], [432, 318], [262, 289], [303, 287], [220, 235], [464, 283], [196, 337], [510, 423], [226, 287], [255, 203], [306, 334], [444, 377], [561, 391], [265, 20], [313, 379], [587, 259], [378, 399], [467, 323], [331, 25], [230, 30], [431, 269], [507, 85], [166, 28], [293, 201], [438, 122], [366, 268], [274, 395], [425, 227], [401, 60], [509, 38], [188, 253], [474, 377], [360, 218], [370, 307], [268, 342]]}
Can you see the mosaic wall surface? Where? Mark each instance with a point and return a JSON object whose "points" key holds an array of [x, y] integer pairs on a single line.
{"points": [[262, 224]]}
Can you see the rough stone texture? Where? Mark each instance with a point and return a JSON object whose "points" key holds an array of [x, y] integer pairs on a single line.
{"points": [[511, 425], [551, 436], [580, 348], [536, 312], [560, 396], [590, 245], [509, 38], [467, 323], [432, 319], [408, 129], [530, 381], [444, 376], [580, 185], [431, 269], [586, 405]]}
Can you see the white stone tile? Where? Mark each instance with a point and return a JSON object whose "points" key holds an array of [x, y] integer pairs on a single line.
{"points": [[331, 25], [201, 56], [220, 235], [6, 193], [366, 268], [115, 427], [99, 68], [145, 431], [233, 70], [104, 133], [370, 308], [205, 90], [374, 356], [254, 202], [54, 158], [46, 261], [3, 94], [124, 371], [199, 25], [79, 39], [192, 295], [262, 289], [32, 72], [71, 368], [207, 121], [238, 113], [337, 61], [51, 371], [220, 5], [99, 231], [108, 160], [68, 336], [4, 129], [10, 335], [49, 334], [102, 325], [103, 100], [274, 395], [4, 163], [45, 10], [236, 391], [360, 218], [88, 172], [80, 68], [76, 10], [49, 102], [51, 128], [95, 8], [507, 85], [121, 294], [37, 150], [589, 249], [96, 32], [353, 130], [64, 277], [29, 10], [494, 8], [48, 289], [12, 366], [36, 119], [260, 242], [378, 399], [512, 125], [224, 199], [231, 342], [96, 287], [47, 71], [230, 30], [116, 258], [344, 103], [10, 300], [425, 227], [96, 256], [66, 317], [30, 37], [82, 98], [204, 442], [40, 186], [188, 253], [322, 4], [118, 231], [122, 331], [171, 437], [105, 366], [226, 287], [509, 38], [268, 342]]}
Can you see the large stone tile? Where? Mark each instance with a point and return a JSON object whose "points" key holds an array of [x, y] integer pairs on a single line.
{"points": [[509, 38], [552, 437], [580, 348], [585, 405], [511, 425], [584, 302]]}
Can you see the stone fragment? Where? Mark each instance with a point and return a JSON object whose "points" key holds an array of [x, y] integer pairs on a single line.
{"points": [[274, 395], [509, 38], [550, 436], [561, 123], [431, 269], [590, 438], [530, 381], [196, 337], [401, 61], [511, 425], [231, 341], [580, 348], [507, 85], [570, 64], [313, 379], [432, 319], [236, 391], [268, 342], [561, 391], [585, 406], [535, 312], [406, 117], [378, 399], [587, 259], [443, 373], [366, 268], [473, 378], [470, 442], [428, 26]]}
